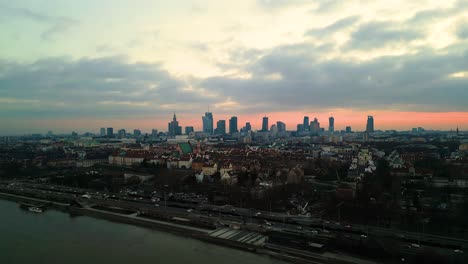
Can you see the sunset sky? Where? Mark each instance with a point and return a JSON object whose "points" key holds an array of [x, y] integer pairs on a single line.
{"points": [[81, 65]]}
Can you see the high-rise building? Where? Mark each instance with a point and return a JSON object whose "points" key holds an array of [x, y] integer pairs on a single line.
{"points": [[281, 126], [154, 132], [137, 132], [348, 129], [173, 127], [233, 125], [315, 126], [370, 124], [121, 133], [300, 127], [208, 123], [265, 124], [103, 132], [248, 127], [188, 130], [306, 123], [220, 127], [331, 124], [110, 132]]}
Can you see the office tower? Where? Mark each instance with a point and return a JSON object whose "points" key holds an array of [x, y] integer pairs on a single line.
{"points": [[300, 127], [110, 132], [233, 125], [248, 127], [154, 132], [208, 123], [281, 126], [306, 123], [315, 126], [331, 124], [274, 129], [103, 132], [173, 127], [348, 129], [121, 133], [220, 127], [188, 130], [265, 124], [137, 132], [370, 124]]}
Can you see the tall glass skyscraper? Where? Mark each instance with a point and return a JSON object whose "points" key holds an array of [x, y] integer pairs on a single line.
{"points": [[370, 124], [208, 123], [233, 125], [265, 124], [331, 124]]}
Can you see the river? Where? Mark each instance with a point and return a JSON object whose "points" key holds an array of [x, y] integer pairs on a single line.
{"points": [[55, 237]]}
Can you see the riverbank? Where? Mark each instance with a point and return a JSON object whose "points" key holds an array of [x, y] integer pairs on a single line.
{"points": [[202, 234]]}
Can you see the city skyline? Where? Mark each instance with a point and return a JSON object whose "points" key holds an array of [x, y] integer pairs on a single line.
{"points": [[65, 68]]}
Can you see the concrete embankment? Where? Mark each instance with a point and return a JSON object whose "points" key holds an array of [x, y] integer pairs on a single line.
{"points": [[24, 199]]}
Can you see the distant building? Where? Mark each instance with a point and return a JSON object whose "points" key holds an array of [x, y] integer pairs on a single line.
{"points": [[348, 129], [233, 125], [370, 124], [208, 123], [173, 127], [154, 132], [300, 128], [188, 130], [220, 127], [137, 132], [331, 124], [281, 126], [248, 127], [110, 132], [305, 123], [315, 126], [103, 132], [265, 124], [122, 133]]}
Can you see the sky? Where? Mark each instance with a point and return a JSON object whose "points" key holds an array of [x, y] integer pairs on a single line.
{"points": [[81, 65]]}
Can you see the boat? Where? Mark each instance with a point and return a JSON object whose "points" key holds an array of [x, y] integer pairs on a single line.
{"points": [[35, 209]]}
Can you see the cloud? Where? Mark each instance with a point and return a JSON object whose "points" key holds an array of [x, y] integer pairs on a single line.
{"points": [[407, 83], [333, 27], [57, 24], [108, 86], [462, 29], [276, 4], [378, 34]]}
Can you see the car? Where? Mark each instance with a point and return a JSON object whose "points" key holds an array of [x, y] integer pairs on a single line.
{"points": [[415, 245], [190, 210], [267, 223], [157, 205], [458, 251], [363, 236], [299, 227], [258, 214]]}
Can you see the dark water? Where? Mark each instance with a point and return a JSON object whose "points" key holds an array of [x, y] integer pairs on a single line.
{"points": [[55, 237]]}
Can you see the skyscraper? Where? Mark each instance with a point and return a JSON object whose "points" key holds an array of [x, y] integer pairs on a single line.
{"points": [[173, 127], [220, 127], [233, 125], [208, 123], [137, 132], [248, 127], [110, 132], [265, 124], [348, 129], [370, 124], [331, 124], [281, 126], [188, 130], [306, 123], [122, 133], [315, 126], [154, 133], [103, 132]]}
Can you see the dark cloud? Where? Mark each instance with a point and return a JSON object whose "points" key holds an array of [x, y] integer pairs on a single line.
{"points": [[412, 82], [108, 86], [378, 34], [57, 24]]}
